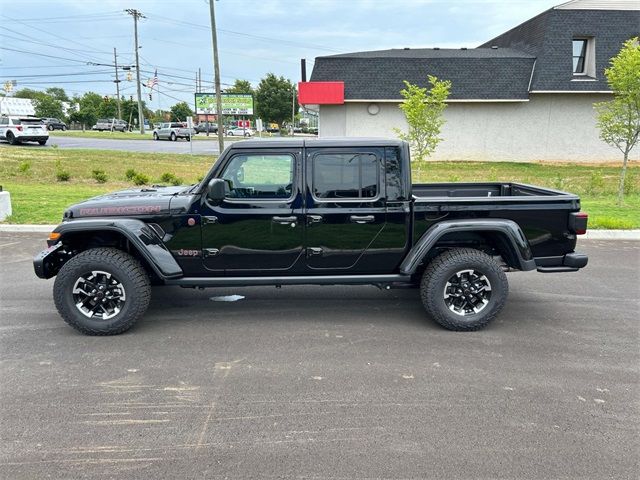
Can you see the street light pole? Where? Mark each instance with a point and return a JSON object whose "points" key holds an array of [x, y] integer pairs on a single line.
{"points": [[136, 15], [117, 82], [216, 70]]}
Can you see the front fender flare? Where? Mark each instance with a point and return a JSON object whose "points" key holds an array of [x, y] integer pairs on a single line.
{"points": [[143, 238], [509, 228]]}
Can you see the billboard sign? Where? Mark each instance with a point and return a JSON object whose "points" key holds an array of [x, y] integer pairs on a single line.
{"points": [[232, 103]]}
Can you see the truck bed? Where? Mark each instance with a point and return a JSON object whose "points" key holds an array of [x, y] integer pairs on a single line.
{"points": [[541, 213], [482, 191]]}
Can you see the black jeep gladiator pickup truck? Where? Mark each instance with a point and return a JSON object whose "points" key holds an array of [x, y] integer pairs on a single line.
{"points": [[322, 212]]}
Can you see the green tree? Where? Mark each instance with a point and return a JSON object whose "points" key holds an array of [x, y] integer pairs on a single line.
{"points": [[88, 109], [28, 93], [180, 111], [619, 119], [274, 98], [240, 86], [424, 113], [48, 106], [57, 93]]}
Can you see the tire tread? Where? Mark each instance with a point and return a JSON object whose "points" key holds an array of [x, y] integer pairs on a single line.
{"points": [[110, 256]]}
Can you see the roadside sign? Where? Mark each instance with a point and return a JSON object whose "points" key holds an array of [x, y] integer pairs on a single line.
{"points": [[259, 125], [244, 123], [232, 103]]}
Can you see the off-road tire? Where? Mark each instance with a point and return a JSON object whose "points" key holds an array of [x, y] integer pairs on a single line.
{"points": [[121, 265], [439, 272]]}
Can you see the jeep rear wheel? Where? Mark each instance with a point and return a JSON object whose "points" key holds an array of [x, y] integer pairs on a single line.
{"points": [[463, 289], [102, 291]]}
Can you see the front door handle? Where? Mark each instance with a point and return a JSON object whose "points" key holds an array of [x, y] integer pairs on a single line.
{"points": [[285, 220], [362, 218], [312, 219]]}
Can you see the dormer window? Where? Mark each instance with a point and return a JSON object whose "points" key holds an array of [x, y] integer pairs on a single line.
{"points": [[579, 55], [584, 57]]}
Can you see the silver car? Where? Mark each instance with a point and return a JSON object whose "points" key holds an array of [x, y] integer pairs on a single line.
{"points": [[110, 125], [173, 131]]}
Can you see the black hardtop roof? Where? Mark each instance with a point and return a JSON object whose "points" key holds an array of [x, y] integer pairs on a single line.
{"points": [[318, 142]]}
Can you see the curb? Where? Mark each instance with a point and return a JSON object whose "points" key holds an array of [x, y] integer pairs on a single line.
{"points": [[591, 234]]}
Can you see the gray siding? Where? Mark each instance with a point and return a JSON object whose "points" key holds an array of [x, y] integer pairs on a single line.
{"points": [[552, 127]]}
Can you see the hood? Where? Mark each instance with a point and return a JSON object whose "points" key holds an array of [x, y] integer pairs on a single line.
{"points": [[126, 203]]}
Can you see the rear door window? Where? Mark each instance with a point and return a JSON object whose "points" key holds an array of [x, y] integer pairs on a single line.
{"points": [[345, 175]]}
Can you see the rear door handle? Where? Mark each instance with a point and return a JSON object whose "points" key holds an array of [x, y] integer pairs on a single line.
{"points": [[362, 218], [285, 220]]}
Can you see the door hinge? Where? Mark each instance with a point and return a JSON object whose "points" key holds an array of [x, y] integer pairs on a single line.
{"points": [[314, 252], [210, 252]]}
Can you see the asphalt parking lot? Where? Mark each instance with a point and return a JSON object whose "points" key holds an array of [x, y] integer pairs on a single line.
{"points": [[326, 382]]}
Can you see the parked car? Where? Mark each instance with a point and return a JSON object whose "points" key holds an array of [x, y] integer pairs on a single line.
{"points": [[16, 129], [54, 124], [173, 131], [317, 212], [240, 132], [203, 127], [110, 125]]}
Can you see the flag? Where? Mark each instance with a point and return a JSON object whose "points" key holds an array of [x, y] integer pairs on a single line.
{"points": [[152, 82]]}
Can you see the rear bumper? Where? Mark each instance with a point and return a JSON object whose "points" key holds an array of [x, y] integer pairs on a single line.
{"points": [[571, 262], [32, 138]]}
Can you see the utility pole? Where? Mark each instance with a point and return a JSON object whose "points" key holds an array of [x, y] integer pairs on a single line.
{"points": [[216, 70], [117, 82], [293, 109], [199, 79], [136, 15]]}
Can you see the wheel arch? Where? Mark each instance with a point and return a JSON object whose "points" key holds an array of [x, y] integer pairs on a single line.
{"points": [[130, 235], [504, 236]]}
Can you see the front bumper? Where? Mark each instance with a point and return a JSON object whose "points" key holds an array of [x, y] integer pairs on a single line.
{"points": [[47, 263], [571, 262]]}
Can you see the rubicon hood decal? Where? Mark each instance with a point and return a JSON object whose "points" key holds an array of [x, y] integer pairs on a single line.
{"points": [[119, 210]]}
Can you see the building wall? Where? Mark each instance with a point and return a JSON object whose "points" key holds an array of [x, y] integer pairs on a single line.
{"points": [[553, 127]]}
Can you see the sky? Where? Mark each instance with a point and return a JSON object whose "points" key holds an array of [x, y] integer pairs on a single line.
{"points": [[51, 43]]}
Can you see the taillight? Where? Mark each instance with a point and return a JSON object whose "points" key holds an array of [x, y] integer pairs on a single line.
{"points": [[19, 128], [578, 222]]}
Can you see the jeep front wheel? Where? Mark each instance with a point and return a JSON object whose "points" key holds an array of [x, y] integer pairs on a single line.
{"points": [[463, 289], [102, 291]]}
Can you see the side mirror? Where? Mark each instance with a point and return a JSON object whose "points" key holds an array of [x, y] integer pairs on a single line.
{"points": [[216, 190]]}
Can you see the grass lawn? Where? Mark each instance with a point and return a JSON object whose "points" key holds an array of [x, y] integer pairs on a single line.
{"points": [[128, 135], [38, 197]]}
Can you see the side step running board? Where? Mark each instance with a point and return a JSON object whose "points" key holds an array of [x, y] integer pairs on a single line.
{"points": [[289, 280]]}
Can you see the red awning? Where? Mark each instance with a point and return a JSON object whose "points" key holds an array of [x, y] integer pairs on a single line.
{"points": [[321, 93]]}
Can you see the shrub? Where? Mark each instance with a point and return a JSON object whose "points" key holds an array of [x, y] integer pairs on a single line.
{"points": [[170, 178], [630, 183], [99, 176], [140, 179], [130, 174], [596, 183], [559, 183], [24, 167], [63, 176]]}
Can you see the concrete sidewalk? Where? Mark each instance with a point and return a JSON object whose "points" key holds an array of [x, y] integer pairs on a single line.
{"points": [[591, 234]]}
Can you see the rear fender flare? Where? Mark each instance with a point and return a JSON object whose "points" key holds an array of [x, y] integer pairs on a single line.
{"points": [[510, 229]]}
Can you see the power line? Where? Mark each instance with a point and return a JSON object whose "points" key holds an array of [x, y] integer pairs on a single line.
{"points": [[243, 34], [48, 75]]}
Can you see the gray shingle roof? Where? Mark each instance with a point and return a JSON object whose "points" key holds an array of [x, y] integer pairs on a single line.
{"points": [[488, 74], [485, 73]]}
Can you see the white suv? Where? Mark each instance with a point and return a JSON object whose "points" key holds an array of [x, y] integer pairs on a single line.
{"points": [[15, 130]]}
